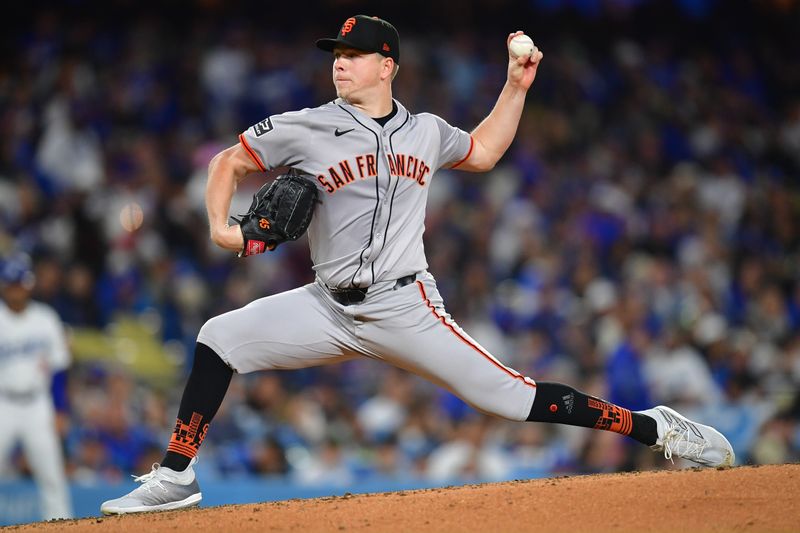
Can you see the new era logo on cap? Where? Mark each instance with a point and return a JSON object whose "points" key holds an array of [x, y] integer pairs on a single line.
{"points": [[370, 34]]}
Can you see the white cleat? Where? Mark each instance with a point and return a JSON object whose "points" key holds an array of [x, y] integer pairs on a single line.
{"points": [[162, 489], [677, 435]]}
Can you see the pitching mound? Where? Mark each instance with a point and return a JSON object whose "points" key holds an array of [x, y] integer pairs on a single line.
{"points": [[754, 499]]}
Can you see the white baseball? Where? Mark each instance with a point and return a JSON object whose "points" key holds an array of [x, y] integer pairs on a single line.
{"points": [[521, 46], [131, 216]]}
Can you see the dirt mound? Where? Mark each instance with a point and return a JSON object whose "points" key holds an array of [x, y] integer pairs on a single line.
{"points": [[749, 499]]}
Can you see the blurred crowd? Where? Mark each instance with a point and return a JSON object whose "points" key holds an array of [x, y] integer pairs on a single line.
{"points": [[640, 240]]}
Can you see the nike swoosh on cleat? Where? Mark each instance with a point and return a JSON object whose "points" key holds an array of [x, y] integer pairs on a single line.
{"points": [[340, 133]]}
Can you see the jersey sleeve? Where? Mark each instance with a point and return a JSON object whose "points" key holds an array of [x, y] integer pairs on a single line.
{"points": [[456, 144], [279, 140], [58, 356]]}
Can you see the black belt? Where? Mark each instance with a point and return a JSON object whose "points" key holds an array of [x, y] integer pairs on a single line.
{"points": [[357, 294]]}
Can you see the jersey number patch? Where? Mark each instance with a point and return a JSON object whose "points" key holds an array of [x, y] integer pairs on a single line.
{"points": [[263, 127]]}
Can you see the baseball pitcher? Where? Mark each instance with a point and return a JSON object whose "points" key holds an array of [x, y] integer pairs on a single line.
{"points": [[365, 164]]}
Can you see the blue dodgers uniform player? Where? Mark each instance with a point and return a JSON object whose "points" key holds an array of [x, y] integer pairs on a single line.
{"points": [[33, 350]]}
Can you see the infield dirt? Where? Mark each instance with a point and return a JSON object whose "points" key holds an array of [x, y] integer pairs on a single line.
{"points": [[742, 499]]}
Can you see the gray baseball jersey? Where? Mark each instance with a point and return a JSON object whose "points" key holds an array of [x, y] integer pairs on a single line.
{"points": [[367, 233], [373, 181]]}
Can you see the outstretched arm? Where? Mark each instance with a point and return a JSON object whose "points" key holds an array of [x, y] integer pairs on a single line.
{"points": [[493, 136], [225, 171]]}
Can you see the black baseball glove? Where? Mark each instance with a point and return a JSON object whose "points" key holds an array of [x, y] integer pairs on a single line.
{"points": [[280, 211]]}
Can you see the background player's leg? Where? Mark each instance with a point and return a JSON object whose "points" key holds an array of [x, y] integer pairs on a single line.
{"points": [[43, 450], [11, 420]]}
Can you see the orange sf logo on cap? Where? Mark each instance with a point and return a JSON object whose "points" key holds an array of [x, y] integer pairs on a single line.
{"points": [[348, 25]]}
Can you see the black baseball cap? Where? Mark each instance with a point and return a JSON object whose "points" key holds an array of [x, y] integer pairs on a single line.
{"points": [[370, 34]]}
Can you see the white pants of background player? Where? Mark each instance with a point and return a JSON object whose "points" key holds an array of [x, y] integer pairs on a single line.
{"points": [[31, 421], [407, 327]]}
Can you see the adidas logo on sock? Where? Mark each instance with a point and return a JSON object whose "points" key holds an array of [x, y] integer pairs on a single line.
{"points": [[569, 401]]}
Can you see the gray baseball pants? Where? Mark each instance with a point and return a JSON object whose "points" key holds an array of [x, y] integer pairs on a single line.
{"points": [[407, 327]]}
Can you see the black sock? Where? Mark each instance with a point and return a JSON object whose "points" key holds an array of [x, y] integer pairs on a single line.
{"points": [[204, 392], [561, 404]]}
